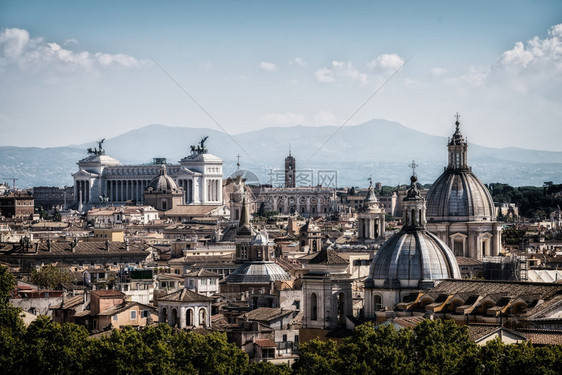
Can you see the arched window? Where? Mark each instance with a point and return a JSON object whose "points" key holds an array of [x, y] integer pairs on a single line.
{"points": [[413, 217], [341, 309], [313, 307], [189, 317], [377, 302], [202, 317]]}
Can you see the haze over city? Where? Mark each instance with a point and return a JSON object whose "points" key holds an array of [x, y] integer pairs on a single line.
{"points": [[76, 71]]}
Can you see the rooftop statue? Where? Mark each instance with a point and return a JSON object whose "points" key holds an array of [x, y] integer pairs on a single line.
{"points": [[97, 151], [200, 148]]}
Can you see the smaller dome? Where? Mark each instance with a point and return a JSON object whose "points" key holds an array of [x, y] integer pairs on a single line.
{"points": [[257, 272], [413, 260], [163, 183]]}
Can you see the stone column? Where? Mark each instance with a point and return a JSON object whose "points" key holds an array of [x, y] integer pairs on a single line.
{"points": [[182, 317]]}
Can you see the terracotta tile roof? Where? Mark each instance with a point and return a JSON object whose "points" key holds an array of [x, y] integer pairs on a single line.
{"points": [[192, 210], [409, 321], [185, 295], [202, 273], [265, 343], [328, 256], [70, 302], [477, 331], [64, 248], [466, 261], [124, 307], [486, 287], [107, 293], [265, 314], [542, 336]]}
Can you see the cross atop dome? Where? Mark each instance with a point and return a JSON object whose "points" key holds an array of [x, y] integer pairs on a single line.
{"points": [[413, 166]]}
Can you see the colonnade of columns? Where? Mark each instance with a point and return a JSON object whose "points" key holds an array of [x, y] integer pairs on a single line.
{"points": [[214, 188], [82, 191], [188, 194], [124, 190]]}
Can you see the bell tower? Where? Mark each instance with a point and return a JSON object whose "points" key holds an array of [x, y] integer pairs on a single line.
{"points": [[290, 171]]}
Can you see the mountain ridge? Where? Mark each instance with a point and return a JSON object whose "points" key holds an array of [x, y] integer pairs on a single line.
{"points": [[381, 148]]}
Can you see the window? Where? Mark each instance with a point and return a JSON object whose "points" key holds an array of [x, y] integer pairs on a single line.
{"points": [[145, 314], [297, 305], [377, 302], [458, 248], [212, 281], [133, 315], [284, 338], [313, 307], [203, 281], [115, 317]]}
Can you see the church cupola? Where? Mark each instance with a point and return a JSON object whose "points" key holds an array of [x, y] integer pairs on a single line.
{"points": [[413, 206], [458, 149]]}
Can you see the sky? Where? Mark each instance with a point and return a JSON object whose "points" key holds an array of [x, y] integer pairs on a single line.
{"points": [[75, 71]]}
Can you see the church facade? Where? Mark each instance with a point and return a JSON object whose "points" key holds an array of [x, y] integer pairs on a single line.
{"points": [[102, 179]]}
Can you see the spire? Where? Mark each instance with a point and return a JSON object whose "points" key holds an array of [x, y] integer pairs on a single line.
{"points": [[458, 149], [371, 197], [457, 138], [244, 217]]}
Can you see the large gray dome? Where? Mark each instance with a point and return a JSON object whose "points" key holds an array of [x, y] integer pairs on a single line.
{"points": [[163, 183], [459, 196], [413, 259]]}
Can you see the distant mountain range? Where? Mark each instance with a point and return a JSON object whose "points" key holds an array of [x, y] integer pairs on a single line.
{"points": [[379, 148]]}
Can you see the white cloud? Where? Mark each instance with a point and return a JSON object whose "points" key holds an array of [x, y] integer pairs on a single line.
{"points": [[325, 118], [325, 75], [340, 69], [268, 67], [437, 72], [284, 119], [382, 65], [385, 63], [297, 61], [17, 48], [538, 52]]}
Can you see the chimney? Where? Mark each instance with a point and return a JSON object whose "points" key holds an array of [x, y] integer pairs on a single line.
{"points": [[106, 244], [49, 245]]}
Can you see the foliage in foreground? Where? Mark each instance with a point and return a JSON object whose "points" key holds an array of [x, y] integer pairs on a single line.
{"points": [[433, 347]]}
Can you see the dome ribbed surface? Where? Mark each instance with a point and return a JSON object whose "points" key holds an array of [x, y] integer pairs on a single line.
{"points": [[163, 183], [414, 256], [459, 196], [258, 272]]}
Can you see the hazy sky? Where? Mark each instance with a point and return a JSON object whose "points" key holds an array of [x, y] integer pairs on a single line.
{"points": [[74, 71]]}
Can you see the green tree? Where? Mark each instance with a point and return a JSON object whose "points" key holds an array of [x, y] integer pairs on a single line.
{"points": [[53, 348], [49, 277], [209, 354], [11, 326], [268, 368], [317, 357], [443, 347]]}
